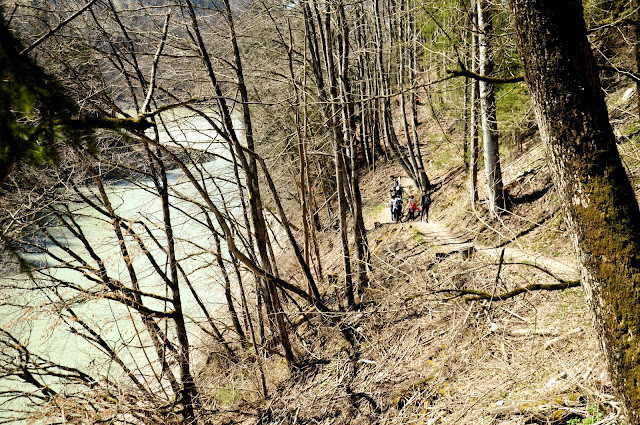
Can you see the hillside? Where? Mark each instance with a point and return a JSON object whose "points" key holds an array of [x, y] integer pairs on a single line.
{"points": [[427, 349], [195, 226]]}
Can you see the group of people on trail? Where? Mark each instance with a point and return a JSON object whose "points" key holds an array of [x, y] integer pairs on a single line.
{"points": [[416, 211]]}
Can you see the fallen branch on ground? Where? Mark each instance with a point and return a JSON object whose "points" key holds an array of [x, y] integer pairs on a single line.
{"points": [[476, 295], [481, 295]]}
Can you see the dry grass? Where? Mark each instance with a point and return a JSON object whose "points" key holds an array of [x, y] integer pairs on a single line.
{"points": [[425, 357]]}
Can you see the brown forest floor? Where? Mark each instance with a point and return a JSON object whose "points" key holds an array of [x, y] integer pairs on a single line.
{"points": [[426, 354]]}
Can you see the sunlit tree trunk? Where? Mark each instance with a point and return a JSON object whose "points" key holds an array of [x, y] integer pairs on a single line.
{"points": [[249, 166], [488, 110], [473, 125], [346, 100], [338, 137]]}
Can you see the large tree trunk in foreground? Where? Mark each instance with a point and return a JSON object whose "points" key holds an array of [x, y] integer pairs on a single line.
{"points": [[600, 207]]}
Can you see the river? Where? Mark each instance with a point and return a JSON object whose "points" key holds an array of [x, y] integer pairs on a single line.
{"points": [[39, 317]]}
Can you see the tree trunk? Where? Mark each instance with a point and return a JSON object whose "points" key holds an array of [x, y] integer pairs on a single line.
{"points": [[227, 290], [465, 126], [402, 54], [248, 165], [475, 88], [636, 46], [488, 111], [339, 163], [425, 183], [600, 207], [346, 98]]}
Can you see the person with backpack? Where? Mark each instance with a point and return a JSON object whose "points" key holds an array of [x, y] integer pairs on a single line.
{"points": [[413, 208], [396, 185], [397, 209], [391, 204], [425, 202]]}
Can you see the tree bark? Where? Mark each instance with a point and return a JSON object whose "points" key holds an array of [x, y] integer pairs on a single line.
{"points": [[475, 89], [488, 111], [346, 98], [636, 47], [600, 207]]}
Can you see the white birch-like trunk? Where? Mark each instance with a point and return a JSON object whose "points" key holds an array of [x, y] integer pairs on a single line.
{"points": [[488, 111]]}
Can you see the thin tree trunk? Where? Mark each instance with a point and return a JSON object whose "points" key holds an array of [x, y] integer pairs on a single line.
{"points": [[465, 126], [488, 111], [402, 55], [475, 90], [425, 184], [312, 216], [245, 307], [249, 165], [362, 248], [190, 394], [338, 140], [227, 290]]}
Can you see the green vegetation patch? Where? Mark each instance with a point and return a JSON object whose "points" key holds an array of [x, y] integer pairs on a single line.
{"points": [[594, 415], [225, 396], [513, 108]]}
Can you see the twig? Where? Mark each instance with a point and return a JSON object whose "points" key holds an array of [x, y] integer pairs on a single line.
{"points": [[156, 60], [495, 283], [60, 25]]}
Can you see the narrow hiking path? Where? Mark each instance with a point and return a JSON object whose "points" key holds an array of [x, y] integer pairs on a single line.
{"points": [[448, 242]]}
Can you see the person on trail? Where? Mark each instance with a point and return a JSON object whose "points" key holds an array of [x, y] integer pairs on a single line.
{"points": [[425, 202], [396, 185], [399, 188], [413, 208], [397, 209], [391, 204]]}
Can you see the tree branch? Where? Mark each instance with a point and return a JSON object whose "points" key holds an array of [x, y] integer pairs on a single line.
{"points": [[632, 75], [463, 72], [482, 295], [516, 79], [60, 25], [476, 295], [156, 60]]}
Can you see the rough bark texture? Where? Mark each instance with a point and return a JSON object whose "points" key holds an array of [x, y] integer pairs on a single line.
{"points": [[636, 48], [600, 207]]}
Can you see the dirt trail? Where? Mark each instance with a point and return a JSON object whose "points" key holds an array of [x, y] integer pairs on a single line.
{"points": [[441, 237], [448, 242]]}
